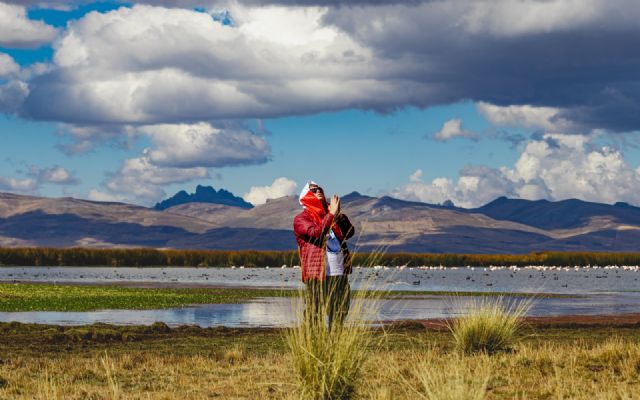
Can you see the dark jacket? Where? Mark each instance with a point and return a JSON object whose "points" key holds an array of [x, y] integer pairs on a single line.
{"points": [[312, 236]]}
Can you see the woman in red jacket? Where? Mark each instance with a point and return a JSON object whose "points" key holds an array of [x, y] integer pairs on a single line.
{"points": [[321, 232]]}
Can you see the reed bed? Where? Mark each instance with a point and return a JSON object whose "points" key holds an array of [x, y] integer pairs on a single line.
{"points": [[140, 257]]}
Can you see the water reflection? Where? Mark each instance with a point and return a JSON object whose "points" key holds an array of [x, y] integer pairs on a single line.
{"points": [[279, 312]]}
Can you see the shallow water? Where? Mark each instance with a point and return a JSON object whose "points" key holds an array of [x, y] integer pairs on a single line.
{"points": [[581, 281], [601, 291], [278, 312]]}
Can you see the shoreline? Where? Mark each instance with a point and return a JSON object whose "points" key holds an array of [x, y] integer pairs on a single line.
{"points": [[629, 320]]}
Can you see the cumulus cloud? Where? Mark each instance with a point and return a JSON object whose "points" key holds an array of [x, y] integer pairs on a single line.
{"points": [[8, 66], [99, 195], [139, 180], [556, 167], [18, 185], [202, 144], [280, 187], [56, 175], [17, 30], [548, 119], [156, 65], [557, 53], [452, 129], [85, 138], [12, 93]]}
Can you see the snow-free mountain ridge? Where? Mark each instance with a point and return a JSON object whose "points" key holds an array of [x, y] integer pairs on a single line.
{"points": [[385, 223]]}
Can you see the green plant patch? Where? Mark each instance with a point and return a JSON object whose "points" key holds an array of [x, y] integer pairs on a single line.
{"points": [[45, 297]]}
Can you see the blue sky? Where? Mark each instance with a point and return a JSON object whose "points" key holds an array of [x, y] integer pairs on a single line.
{"points": [[132, 102]]}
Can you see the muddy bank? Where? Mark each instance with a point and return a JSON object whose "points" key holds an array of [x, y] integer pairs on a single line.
{"points": [[14, 334]]}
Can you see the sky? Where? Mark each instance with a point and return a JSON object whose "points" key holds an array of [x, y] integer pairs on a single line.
{"points": [[420, 100]]}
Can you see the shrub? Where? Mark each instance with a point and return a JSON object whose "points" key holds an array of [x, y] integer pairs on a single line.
{"points": [[490, 325]]}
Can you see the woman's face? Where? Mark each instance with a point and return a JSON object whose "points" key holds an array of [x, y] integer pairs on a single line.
{"points": [[317, 191]]}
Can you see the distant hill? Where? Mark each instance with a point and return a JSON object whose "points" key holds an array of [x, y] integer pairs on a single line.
{"points": [[203, 194], [564, 214], [382, 223]]}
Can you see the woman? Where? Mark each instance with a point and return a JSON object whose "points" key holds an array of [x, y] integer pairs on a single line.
{"points": [[321, 232]]}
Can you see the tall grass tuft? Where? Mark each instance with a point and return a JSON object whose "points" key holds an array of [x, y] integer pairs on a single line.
{"points": [[490, 325], [328, 360], [109, 369]]}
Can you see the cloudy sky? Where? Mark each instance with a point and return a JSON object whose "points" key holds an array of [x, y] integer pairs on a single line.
{"points": [[421, 100]]}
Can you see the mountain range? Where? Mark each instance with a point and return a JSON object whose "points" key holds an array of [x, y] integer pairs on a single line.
{"points": [[203, 194], [382, 223]]}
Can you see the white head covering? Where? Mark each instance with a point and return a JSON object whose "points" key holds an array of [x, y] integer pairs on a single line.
{"points": [[305, 190]]}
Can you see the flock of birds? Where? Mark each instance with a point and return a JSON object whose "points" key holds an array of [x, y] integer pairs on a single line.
{"points": [[634, 268]]}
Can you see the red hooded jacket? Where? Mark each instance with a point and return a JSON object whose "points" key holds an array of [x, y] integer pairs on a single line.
{"points": [[311, 229]]}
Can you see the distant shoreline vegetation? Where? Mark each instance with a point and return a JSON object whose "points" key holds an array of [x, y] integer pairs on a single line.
{"points": [[145, 257]]}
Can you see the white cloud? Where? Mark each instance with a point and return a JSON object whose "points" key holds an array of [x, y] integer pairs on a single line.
{"points": [[280, 187], [203, 145], [84, 138], [98, 195], [416, 176], [12, 93], [526, 116], [57, 175], [512, 18], [138, 180], [452, 129], [8, 66], [556, 167], [155, 65], [17, 30], [18, 185]]}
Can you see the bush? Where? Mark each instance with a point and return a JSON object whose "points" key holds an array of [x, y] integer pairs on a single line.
{"points": [[490, 325]]}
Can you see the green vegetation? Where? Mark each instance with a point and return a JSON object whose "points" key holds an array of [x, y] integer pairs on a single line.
{"points": [[44, 297], [99, 361], [251, 258], [489, 325], [48, 297]]}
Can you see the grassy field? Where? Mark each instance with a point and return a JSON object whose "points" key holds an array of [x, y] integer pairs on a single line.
{"points": [[47, 297], [106, 362]]}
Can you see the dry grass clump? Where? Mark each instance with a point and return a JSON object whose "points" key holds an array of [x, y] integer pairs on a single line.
{"points": [[459, 379], [328, 361], [490, 325], [235, 355]]}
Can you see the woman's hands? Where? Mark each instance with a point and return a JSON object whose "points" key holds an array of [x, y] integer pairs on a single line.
{"points": [[334, 205]]}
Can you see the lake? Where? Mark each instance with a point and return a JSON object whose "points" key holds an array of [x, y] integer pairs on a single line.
{"points": [[597, 291]]}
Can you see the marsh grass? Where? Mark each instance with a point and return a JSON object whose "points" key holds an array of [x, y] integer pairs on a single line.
{"points": [[328, 358], [489, 325], [109, 367]]}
